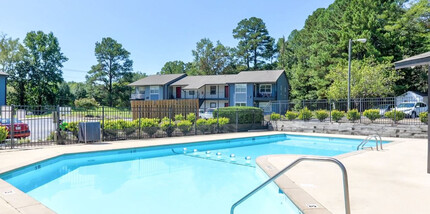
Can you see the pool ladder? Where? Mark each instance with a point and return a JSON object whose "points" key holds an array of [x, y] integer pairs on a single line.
{"points": [[320, 159], [377, 138]]}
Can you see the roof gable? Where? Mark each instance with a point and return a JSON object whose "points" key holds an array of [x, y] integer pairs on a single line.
{"points": [[157, 79]]}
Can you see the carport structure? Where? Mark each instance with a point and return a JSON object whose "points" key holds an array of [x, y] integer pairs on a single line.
{"points": [[421, 59]]}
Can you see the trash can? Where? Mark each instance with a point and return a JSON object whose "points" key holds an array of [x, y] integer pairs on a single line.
{"points": [[89, 132]]}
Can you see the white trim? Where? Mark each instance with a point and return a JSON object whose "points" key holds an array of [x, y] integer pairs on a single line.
{"points": [[265, 92], [154, 89], [242, 86]]}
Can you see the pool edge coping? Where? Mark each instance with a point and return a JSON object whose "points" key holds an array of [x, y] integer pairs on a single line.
{"points": [[38, 206]]}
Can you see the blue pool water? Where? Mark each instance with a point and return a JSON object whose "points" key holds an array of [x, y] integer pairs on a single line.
{"points": [[169, 179]]}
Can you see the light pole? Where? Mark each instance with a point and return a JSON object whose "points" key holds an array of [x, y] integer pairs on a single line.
{"points": [[349, 68]]}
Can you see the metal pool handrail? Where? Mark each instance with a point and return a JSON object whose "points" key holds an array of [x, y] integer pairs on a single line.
{"points": [[322, 159], [366, 140]]}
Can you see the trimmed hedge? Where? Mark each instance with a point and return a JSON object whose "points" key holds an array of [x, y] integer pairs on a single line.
{"points": [[353, 115], [337, 115], [372, 114], [305, 114], [275, 116], [184, 126], [3, 133], [291, 115], [246, 114], [424, 117], [321, 115], [191, 117], [395, 115]]}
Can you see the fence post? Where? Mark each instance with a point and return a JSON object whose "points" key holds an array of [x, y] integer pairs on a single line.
{"points": [[303, 116], [237, 119], [361, 110], [58, 138], [103, 123], [329, 105], [139, 118], [195, 121], [12, 126], [217, 120], [169, 131]]}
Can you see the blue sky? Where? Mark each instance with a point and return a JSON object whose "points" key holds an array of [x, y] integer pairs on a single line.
{"points": [[154, 32]]}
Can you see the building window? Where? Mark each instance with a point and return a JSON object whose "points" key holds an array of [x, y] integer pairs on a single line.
{"points": [[191, 93], [240, 88], [266, 89], [155, 89], [212, 104], [240, 104], [213, 90]]}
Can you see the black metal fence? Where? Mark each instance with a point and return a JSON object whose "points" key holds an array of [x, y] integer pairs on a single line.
{"points": [[405, 110], [48, 125]]}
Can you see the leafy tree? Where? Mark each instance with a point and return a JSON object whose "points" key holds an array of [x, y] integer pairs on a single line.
{"points": [[113, 64], [393, 30], [11, 62], [212, 59], [43, 60], [368, 79], [64, 96], [173, 67], [255, 45]]}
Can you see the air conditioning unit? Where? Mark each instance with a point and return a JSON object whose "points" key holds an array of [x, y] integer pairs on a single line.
{"points": [[89, 132]]}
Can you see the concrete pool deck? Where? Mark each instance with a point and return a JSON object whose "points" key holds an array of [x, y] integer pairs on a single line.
{"points": [[390, 181]]}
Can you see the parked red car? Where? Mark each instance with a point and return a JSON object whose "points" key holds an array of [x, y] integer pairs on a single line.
{"points": [[21, 129]]}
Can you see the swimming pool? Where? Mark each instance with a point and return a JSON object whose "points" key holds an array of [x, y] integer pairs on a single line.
{"points": [[187, 178]]}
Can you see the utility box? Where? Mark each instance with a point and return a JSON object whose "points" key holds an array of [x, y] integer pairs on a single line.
{"points": [[89, 132]]}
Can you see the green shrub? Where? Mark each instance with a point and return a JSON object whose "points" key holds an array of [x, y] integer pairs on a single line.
{"points": [[87, 103], [179, 117], [353, 115], [275, 116], [305, 114], [246, 114], [113, 124], [184, 126], [72, 127], [424, 117], [191, 117], [337, 115], [212, 124], [291, 115], [3, 133], [321, 115], [395, 115], [165, 119], [149, 125], [223, 121], [168, 127], [202, 125], [372, 114]]}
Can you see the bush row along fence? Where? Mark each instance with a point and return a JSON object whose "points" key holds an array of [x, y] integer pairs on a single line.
{"points": [[383, 105], [48, 125]]}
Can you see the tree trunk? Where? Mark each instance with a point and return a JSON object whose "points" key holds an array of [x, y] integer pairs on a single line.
{"points": [[255, 58], [110, 84]]}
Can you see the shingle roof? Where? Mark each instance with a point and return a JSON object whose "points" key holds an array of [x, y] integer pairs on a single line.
{"points": [[266, 76], [157, 79], [196, 82], [3, 74], [420, 59]]}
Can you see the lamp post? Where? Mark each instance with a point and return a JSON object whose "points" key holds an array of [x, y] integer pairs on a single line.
{"points": [[349, 68]]}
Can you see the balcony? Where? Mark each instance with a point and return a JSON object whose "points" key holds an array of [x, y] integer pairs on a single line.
{"points": [[264, 97], [136, 96]]}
